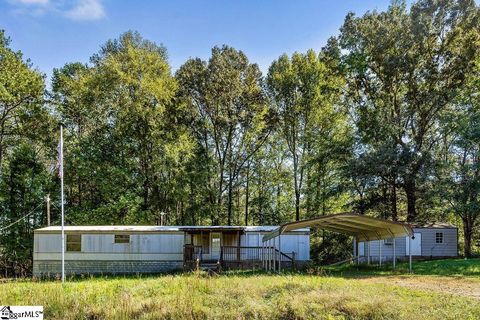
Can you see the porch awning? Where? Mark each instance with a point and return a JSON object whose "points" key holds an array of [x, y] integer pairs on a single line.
{"points": [[211, 229], [361, 227]]}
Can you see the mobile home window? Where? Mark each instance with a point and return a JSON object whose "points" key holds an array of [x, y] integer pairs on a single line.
{"points": [[74, 242], [439, 237], [122, 238]]}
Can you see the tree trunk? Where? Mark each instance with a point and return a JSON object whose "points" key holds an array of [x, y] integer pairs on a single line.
{"points": [[467, 236], [410, 190], [394, 201], [230, 200], [247, 194], [297, 205]]}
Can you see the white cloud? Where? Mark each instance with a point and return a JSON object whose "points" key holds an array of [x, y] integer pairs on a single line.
{"points": [[33, 2], [86, 10], [75, 10]]}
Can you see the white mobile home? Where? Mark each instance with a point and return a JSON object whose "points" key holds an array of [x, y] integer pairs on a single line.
{"points": [[152, 249], [431, 240]]}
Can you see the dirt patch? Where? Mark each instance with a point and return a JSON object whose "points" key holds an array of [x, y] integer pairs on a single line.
{"points": [[467, 287]]}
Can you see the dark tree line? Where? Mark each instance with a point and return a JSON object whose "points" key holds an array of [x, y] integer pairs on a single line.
{"points": [[384, 120]]}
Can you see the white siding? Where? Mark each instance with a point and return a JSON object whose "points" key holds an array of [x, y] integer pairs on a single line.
{"points": [[167, 246], [48, 243], [289, 242]]}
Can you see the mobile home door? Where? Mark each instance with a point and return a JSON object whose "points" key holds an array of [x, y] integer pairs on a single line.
{"points": [[215, 240]]}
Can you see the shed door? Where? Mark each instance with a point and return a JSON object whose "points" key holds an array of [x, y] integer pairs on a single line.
{"points": [[416, 245]]}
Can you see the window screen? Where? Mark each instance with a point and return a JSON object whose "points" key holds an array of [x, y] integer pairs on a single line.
{"points": [[122, 238], [439, 237], [74, 242]]}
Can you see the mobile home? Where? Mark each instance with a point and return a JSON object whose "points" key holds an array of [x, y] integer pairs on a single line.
{"points": [[153, 249]]}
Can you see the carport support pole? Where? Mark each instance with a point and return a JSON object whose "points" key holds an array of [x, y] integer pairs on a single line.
{"points": [[264, 256], [380, 244], [261, 254], [410, 254], [272, 267], [355, 249], [275, 267], [368, 249], [394, 254], [274, 256], [269, 258], [279, 255]]}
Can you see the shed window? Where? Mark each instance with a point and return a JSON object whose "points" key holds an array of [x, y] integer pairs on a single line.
{"points": [[122, 238], [388, 242], [74, 242], [439, 237]]}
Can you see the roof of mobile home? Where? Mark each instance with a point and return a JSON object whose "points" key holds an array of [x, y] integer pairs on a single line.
{"points": [[54, 229]]}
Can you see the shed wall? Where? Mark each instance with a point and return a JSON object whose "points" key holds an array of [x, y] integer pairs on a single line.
{"points": [[428, 245], [431, 249]]}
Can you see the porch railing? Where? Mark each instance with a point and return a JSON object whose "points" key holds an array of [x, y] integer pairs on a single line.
{"points": [[192, 253], [255, 254], [239, 256], [236, 253]]}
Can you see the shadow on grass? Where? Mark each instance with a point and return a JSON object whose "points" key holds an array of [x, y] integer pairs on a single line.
{"points": [[444, 267]]}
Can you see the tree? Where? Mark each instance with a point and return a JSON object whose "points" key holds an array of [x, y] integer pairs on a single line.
{"points": [[460, 177], [230, 118], [22, 190], [21, 98], [125, 141], [305, 90], [404, 69]]}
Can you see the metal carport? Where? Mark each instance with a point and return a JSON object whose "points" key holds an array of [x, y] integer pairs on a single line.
{"points": [[360, 227]]}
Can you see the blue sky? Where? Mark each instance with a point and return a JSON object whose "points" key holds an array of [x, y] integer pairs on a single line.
{"points": [[54, 32]]}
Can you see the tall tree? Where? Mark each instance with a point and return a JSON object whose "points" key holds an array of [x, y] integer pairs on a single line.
{"points": [[22, 193], [404, 69], [460, 179], [21, 97], [230, 118], [126, 140], [305, 90]]}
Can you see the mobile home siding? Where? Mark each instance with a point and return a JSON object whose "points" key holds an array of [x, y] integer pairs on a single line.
{"points": [[298, 242], [146, 253], [148, 250]]}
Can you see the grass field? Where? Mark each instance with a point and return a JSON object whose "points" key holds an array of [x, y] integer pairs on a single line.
{"points": [[448, 289]]}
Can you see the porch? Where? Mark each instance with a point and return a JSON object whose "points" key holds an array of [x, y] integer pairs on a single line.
{"points": [[211, 248]]}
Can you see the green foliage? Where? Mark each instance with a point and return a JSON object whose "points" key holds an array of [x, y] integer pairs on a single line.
{"points": [[23, 187], [231, 120], [305, 90], [382, 121], [24, 134], [404, 70]]}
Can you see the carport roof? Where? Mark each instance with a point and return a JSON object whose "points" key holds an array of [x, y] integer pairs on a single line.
{"points": [[362, 227]]}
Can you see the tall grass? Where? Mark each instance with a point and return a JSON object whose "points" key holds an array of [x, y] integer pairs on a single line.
{"points": [[234, 296]]}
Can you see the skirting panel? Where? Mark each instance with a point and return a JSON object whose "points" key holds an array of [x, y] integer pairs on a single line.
{"points": [[52, 268]]}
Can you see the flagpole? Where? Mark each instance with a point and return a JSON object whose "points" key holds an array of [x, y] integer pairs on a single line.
{"points": [[61, 199]]}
